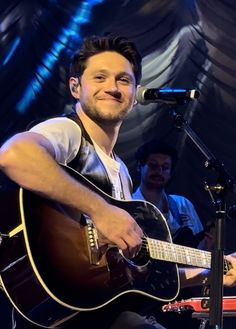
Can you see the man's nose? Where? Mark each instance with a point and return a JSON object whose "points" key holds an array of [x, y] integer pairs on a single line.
{"points": [[159, 169], [112, 85]]}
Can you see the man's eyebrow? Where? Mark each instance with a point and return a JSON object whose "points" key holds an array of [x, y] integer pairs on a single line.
{"points": [[100, 71], [127, 74], [122, 73]]}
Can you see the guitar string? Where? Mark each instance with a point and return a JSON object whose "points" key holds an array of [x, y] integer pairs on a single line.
{"points": [[168, 244], [182, 255]]}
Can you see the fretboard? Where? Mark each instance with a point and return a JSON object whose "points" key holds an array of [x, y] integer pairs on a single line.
{"points": [[171, 252]]}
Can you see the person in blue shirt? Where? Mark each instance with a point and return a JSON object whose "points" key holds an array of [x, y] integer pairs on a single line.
{"points": [[156, 162]]}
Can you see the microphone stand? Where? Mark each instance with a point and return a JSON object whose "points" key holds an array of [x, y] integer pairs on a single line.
{"points": [[224, 183]]}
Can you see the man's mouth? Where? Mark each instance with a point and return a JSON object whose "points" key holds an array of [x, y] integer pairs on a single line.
{"points": [[157, 177], [116, 100]]}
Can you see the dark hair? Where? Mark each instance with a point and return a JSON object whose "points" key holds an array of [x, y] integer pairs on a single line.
{"points": [[97, 44], [156, 147]]}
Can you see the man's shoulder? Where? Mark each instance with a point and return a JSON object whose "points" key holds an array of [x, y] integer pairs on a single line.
{"points": [[137, 195], [54, 123]]}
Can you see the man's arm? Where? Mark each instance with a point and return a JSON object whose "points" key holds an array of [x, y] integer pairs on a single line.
{"points": [[28, 159], [190, 277]]}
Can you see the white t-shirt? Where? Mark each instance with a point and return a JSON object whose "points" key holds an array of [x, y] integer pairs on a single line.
{"points": [[65, 136]]}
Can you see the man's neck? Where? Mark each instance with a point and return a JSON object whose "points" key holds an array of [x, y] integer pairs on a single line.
{"points": [[153, 195], [104, 135]]}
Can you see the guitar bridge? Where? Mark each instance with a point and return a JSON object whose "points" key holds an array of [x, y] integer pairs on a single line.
{"points": [[95, 254]]}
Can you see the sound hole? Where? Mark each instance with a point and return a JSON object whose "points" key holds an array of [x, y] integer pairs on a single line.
{"points": [[142, 258]]}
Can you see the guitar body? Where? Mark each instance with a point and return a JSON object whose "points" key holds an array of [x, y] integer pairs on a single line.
{"points": [[52, 268]]}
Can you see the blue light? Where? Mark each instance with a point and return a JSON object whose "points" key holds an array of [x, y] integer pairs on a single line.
{"points": [[43, 71], [168, 90], [15, 44]]}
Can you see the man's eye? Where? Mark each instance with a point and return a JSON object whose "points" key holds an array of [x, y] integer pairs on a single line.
{"points": [[99, 77], [125, 80]]}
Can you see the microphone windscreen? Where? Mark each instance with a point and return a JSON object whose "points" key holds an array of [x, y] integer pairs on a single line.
{"points": [[140, 95]]}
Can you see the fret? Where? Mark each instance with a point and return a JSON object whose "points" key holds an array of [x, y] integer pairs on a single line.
{"points": [[166, 251]]}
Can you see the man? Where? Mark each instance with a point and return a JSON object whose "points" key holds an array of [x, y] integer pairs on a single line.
{"points": [[104, 76], [156, 162]]}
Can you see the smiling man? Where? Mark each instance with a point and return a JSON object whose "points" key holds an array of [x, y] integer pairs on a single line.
{"points": [[104, 76]]}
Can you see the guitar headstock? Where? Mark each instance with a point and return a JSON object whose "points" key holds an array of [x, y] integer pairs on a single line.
{"points": [[178, 307], [197, 304]]}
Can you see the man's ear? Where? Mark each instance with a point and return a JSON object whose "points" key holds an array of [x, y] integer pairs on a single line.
{"points": [[74, 87]]}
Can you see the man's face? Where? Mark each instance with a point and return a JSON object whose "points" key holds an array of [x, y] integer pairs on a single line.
{"points": [[107, 87], [156, 173]]}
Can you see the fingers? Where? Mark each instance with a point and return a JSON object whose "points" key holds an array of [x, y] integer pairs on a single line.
{"points": [[230, 278], [231, 260], [134, 243], [120, 228], [130, 242]]}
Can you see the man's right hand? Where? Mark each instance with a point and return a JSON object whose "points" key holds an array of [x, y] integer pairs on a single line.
{"points": [[119, 228]]}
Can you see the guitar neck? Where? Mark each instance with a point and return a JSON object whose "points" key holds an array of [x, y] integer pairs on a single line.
{"points": [[170, 252]]}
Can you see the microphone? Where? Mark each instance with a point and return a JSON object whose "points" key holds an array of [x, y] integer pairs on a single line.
{"points": [[146, 96]]}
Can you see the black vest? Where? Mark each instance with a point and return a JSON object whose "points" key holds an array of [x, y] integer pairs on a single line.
{"points": [[88, 163]]}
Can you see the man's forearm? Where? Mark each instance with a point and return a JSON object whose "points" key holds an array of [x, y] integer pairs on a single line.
{"points": [[190, 277], [30, 164]]}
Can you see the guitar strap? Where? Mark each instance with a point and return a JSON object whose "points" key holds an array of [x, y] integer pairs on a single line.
{"points": [[173, 208], [184, 234]]}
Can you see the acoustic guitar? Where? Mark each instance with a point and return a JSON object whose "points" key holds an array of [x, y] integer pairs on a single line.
{"points": [[54, 264]]}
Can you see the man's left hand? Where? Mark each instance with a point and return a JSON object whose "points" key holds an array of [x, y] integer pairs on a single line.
{"points": [[230, 277]]}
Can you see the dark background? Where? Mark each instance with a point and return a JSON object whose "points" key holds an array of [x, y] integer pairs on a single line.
{"points": [[184, 43]]}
